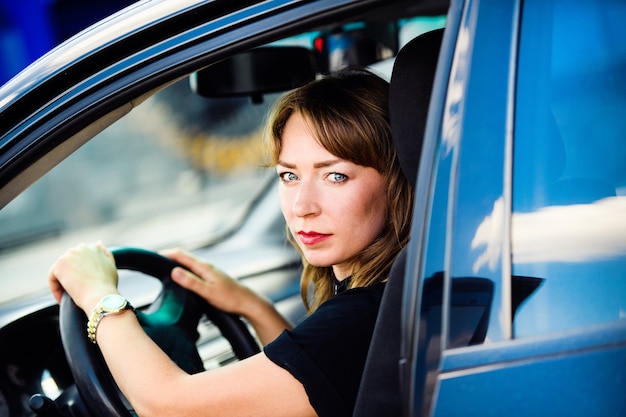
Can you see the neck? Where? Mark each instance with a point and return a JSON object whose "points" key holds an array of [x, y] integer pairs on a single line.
{"points": [[341, 272]]}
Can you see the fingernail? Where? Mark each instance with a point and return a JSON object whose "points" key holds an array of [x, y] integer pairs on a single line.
{"points": [[178, 273]]}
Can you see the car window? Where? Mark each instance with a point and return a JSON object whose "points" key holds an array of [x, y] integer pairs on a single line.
{"points": [[178, 170], [569, 185]]}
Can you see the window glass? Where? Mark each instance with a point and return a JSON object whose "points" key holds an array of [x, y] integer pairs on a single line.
{"points": [[569, 185], [178, 170]]}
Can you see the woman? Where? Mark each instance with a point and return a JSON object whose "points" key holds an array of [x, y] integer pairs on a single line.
{"points": [[347, 207]]}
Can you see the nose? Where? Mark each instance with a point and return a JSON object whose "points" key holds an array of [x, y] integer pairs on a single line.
{"points": [[306, 202]]}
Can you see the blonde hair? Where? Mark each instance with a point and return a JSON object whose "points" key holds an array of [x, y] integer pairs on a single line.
{"points": [[349, 115]]}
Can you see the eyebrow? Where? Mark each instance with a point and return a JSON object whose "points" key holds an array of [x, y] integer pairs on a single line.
{"points": [[322, 164]]}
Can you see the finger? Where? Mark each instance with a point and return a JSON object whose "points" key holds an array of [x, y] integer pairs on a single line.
{"points": [[55, 286], [105, 250], [54, 281], [179, 255], [189, 280], [189, 261]]}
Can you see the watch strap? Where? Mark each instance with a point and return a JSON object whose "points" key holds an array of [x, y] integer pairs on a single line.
{"points": [[99, 312]]}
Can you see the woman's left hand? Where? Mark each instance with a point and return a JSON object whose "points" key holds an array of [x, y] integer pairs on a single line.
{"points": [[86, 272], [216, 287]]}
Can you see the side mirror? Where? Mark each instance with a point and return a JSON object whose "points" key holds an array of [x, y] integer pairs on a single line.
{"points": [[256, 72]]}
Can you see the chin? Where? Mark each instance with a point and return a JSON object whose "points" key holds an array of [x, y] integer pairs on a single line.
{"points": [[319, 261]]}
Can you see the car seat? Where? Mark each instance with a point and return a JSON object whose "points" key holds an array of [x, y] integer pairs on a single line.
{"points": [[409, 96]]}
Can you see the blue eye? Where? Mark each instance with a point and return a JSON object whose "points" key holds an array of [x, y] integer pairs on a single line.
{"points": [[287, 176], [336, 177]]}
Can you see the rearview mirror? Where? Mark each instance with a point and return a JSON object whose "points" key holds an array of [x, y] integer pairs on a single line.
{"points": [[256, 72]]}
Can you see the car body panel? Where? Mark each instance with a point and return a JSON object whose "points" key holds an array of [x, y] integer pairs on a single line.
{"points": [[577, 373], [562, 373]]}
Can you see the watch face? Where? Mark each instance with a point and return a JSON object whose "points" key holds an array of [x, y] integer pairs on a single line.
{"points": [[113, 302]]}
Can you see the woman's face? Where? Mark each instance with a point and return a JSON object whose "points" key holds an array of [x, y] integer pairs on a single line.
{"points": [[334, 208]]}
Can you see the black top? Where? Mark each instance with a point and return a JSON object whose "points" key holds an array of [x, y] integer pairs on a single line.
{"points": [[340, 286], [327, 351]]}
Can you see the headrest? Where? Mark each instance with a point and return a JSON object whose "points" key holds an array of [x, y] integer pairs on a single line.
{"points": [[409, 95]]}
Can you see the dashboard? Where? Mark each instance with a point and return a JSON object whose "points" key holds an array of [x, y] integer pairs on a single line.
{"points": [[31, 361]]}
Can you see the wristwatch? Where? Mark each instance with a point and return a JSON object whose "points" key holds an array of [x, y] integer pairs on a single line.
{"points": [[109, 305]]}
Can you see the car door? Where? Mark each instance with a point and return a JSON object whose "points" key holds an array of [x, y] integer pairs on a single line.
{"points": [[521, 267]]}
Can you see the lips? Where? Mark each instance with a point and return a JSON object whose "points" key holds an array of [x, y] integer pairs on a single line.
{"points": [[312, 238]]}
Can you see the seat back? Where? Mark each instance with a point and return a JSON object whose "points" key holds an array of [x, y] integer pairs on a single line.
{"points": [[409, 96]]}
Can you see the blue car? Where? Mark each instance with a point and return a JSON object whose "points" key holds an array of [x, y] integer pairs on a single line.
{"points": [[508, 115]]}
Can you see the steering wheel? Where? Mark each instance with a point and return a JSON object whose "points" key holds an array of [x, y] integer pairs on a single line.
{"points": [[171, 321]]}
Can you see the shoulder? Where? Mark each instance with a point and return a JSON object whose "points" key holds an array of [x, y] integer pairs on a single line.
{"points": [[327, 351]]}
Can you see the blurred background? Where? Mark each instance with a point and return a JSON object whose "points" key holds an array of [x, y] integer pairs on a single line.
{"points": [[180, 170]]}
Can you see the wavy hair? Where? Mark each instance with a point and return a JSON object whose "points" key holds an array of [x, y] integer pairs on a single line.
{"points": [[348, 112]]}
